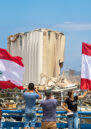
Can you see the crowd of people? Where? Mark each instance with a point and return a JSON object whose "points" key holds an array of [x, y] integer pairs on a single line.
{"points": [[49, 108]]}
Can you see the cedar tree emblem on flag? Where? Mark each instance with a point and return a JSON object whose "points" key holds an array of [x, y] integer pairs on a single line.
{"points": [[11, 70]]}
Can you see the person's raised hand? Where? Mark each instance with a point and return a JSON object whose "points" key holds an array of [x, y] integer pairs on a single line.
{"points": [[36, 90]]}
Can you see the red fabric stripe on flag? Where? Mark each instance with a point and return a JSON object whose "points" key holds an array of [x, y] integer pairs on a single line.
{"points": [[9, 84], [86, 49], [85, 84], [6, 56]]}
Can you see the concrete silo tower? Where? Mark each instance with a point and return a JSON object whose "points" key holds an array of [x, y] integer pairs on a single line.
{"points": [[42, 51]]}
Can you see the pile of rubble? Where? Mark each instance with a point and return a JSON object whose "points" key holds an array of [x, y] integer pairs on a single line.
{"points": [[60, 82]]}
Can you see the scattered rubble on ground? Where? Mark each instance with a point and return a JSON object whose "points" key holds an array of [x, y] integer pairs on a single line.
{"points": [[60, 82]]}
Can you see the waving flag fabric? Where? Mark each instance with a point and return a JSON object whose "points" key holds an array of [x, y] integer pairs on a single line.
{"points": [[11, 70], [86, 67]]}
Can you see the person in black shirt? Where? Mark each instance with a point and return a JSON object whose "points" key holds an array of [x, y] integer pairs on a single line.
{"points": [[70, 105]]}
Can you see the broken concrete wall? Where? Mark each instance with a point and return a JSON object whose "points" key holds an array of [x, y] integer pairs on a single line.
{"points": [[53, 52]]}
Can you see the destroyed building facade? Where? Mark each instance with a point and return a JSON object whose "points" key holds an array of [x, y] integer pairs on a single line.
{"points": [[42, 51]]}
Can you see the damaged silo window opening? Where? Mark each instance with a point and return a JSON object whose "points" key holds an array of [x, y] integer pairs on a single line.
{"points": [[20, 40], [49, 34], [56, 35], [60, 64]]}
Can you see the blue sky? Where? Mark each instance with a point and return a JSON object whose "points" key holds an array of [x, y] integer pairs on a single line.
{"points": [[72, 17]]}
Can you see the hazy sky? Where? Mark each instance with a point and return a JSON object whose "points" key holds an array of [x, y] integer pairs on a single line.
{"points": [[72, 17]]}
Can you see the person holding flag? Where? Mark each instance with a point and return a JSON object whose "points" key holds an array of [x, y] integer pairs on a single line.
{"points": [[70, 105]]}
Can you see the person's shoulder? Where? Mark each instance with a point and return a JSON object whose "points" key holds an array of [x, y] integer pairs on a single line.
{"points": [[25, 93], [66, 100], [35, 94], [54, 100], [42, 102]]}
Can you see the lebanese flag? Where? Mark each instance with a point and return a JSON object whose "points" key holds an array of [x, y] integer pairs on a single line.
{"points": [[11, 70], [86, 67]]}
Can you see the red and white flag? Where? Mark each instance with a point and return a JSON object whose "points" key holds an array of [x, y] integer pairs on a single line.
{"points": [[11, 70], [86, 67]]}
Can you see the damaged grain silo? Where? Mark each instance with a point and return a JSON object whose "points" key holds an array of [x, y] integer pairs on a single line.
{"points": [[42, 51]]}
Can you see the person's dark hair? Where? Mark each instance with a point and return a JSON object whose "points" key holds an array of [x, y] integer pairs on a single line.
{"points": [[48, 93], [31, 86], [70, 93]]}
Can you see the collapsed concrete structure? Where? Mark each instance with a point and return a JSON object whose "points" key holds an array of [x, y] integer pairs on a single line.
{"points": [[42, 51]]}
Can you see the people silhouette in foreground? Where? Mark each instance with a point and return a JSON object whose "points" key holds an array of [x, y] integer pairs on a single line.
{"points": [[49, 111], [30, 96], [70, 105]]}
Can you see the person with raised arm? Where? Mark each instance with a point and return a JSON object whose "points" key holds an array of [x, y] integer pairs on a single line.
{"points": [[70, 105], [30, 96]]}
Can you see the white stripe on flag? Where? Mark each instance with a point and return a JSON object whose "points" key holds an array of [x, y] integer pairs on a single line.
{"points": [[86, 67], [11, 71]]}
